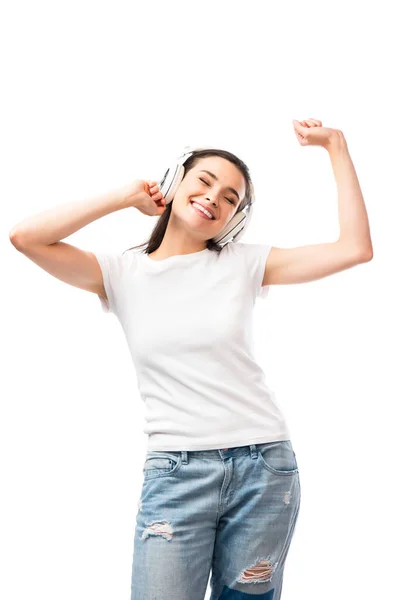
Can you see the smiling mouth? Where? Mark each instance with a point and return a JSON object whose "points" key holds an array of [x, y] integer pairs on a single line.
{"points": [[200, 212]]}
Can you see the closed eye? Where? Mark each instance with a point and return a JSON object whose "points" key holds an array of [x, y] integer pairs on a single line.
{"points": [[229, 199]]}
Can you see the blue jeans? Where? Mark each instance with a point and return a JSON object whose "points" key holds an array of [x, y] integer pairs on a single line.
{"points": [[230, 512]]}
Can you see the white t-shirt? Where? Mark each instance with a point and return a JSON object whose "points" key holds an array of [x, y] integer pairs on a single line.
{"points": [[188, 322]]}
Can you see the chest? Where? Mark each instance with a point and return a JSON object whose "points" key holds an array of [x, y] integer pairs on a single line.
{"points": [[187, 312]]}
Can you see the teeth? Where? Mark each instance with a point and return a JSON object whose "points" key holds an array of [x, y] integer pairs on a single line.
{"points": [[204, 210]]}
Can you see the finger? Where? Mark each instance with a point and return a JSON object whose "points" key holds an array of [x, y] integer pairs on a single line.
{"points": [[314, 122], [159, 198]]}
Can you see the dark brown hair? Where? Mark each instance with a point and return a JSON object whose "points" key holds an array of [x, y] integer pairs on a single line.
{"points": [[160, 227]]}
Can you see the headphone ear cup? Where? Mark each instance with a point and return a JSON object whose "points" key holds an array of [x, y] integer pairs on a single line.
{"points": [[231, 229], [237, 226], [171, 181]]}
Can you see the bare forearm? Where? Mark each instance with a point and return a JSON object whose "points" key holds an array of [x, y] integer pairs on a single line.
{"points": [[353, 218], [57, 223]]}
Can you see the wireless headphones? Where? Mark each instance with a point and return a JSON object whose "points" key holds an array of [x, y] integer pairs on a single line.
{"points": [[236, 227]]}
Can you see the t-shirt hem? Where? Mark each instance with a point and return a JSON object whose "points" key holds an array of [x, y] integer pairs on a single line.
{"points": [[263, 439]]}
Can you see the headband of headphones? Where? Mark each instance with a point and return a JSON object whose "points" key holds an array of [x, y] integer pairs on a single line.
{"points": [[168, 185]]}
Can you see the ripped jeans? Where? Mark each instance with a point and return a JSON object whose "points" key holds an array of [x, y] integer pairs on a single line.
{"points": [[230, 513]]}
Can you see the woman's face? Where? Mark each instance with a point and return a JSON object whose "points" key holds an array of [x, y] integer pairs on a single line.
{"points": [[214, 190]]}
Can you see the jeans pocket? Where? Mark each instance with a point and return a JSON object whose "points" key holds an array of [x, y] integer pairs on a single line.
{"points": [[161, 464], [278, 457]]}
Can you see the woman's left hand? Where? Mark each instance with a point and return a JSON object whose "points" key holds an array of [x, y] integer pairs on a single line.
{"points": [[311, 133]]}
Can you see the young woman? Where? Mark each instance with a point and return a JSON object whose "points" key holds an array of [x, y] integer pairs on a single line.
{"points": [[221, 488]]}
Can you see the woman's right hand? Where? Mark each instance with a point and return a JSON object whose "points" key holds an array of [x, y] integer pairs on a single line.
{"points": [[145, 195]]}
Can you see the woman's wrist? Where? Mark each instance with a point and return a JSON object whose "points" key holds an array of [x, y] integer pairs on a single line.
{"points": [[128, 195], [336, 142]]}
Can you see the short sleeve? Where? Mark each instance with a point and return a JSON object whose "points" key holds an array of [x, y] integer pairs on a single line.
{"points": [[256, 259], [111, 267]]}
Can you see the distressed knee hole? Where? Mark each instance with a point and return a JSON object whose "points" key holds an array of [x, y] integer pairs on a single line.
{"points": [[162, 528], [261, 571]]}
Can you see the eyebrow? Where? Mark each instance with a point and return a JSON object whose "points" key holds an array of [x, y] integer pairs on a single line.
{"points": [[230, 189]]}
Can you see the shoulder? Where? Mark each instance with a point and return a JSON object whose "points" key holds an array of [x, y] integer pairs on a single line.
{"points": [[250, 252], [116, 262]]}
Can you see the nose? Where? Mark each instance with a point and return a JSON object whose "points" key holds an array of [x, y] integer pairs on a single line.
{"points": [[213, 201]]}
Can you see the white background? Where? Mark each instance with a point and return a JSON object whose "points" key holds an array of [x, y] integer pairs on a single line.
{"points": [[96, 94]]}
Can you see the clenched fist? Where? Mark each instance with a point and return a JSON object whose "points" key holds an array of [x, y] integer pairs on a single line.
{"points": [[311, 133], [145, 196]]}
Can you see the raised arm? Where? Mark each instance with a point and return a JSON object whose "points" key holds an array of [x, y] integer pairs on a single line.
{"points": [[38, 237], [354, 245]]}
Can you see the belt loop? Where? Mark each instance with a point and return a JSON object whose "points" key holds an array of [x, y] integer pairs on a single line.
{"points": [[253, 450], [184, 457]]}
